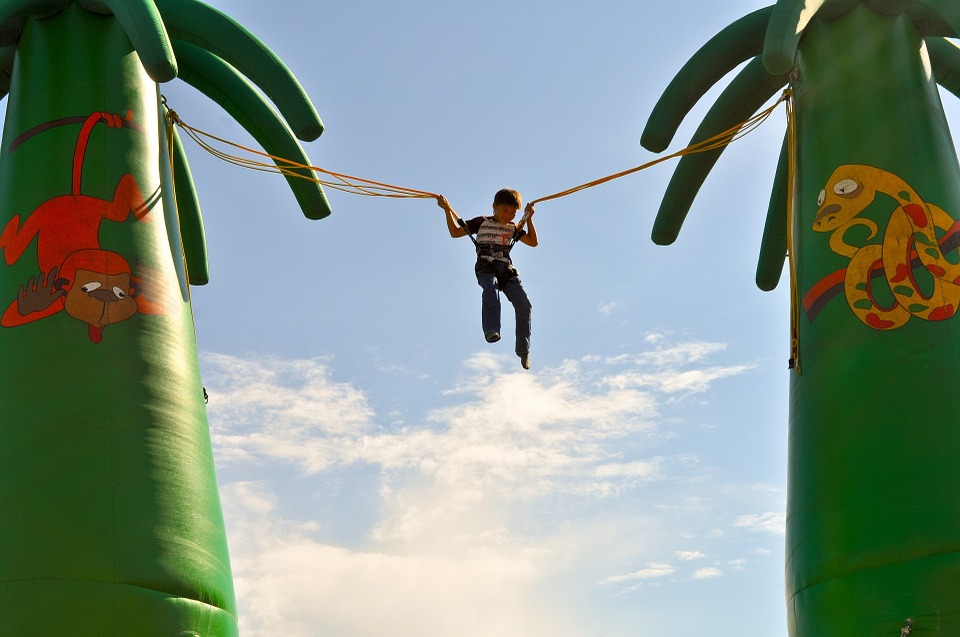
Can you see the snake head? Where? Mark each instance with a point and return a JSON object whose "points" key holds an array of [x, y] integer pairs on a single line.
{"points": [[847, 193]]}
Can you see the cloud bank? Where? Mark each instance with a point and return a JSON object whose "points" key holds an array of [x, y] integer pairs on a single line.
{"points": [[492, 514]]}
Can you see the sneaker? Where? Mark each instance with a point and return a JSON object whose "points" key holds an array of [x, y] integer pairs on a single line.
{"points": [[525, 360], [492, 337]]}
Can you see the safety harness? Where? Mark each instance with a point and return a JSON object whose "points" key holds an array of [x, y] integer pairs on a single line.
{"points": [[503, 270]]}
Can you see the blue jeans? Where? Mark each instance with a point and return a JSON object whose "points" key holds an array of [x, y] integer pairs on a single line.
{"points": [[490, 309]]}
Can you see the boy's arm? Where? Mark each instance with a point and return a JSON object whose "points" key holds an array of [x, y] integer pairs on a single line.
{"points": [[530, 238], [452, 226]]}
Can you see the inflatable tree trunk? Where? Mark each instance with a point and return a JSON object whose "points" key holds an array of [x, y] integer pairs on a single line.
{"points": [[111, 515], [873, 520], [873, 508]]}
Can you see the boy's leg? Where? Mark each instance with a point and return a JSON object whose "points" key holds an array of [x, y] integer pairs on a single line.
{"points": [[490, 306], [522, 308]]}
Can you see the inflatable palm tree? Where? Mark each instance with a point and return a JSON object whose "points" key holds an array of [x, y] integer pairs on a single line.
{"points": [[873, 512], [111, 516]]}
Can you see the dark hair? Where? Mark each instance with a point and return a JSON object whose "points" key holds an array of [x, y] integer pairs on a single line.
{"points": [[507, 196]]}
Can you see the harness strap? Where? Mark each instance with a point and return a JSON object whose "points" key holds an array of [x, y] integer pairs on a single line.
{"points": [[516, 233], [463, 224]]}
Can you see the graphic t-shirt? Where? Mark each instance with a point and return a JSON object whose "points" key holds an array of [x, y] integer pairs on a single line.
{"points": [[494, 239]]}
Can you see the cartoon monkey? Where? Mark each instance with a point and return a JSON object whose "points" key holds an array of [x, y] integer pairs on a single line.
{"points": [[92, 285]]}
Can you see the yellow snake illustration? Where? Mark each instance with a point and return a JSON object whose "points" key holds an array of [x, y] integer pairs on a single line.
{"points": [[910, 235]]}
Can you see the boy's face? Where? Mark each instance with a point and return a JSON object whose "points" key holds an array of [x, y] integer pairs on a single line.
{"points": [[505, 212]]}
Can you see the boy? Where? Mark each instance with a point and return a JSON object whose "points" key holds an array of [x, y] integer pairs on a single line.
{"points": [[494, 269]]}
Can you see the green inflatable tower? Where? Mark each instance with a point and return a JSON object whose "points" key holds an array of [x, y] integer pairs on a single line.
{"points": [[111, 515], [873, 512]]}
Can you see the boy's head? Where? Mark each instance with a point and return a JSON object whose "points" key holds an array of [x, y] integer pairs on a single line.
{"points": [[506, 203], [506, 195]]}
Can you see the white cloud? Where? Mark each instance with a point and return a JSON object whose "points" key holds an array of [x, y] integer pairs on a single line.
{"points": [[681, 354], [290, 583], [281, 409], [689, 556], [558, 437], [608, 308], [642, 469], [676, 381], [769, 522], [652, 571], [666, 369], [707, 573]]}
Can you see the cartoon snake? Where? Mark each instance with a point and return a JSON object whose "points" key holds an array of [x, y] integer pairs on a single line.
{"points": [[910, 239]]}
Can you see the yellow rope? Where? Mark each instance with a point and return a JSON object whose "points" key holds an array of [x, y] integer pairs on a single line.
{"points": [[367, 187], [168, 128], [791, 231], [291, 168], [717, 141]]}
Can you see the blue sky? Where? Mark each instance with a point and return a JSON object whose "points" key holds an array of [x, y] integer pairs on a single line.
{"points": [[384, 471]]}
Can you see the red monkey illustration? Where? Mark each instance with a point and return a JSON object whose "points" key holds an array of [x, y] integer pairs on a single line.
{"points": [[93, 285]]}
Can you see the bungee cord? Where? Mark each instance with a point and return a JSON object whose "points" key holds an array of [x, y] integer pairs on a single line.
{"points": [[367, 187]]}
